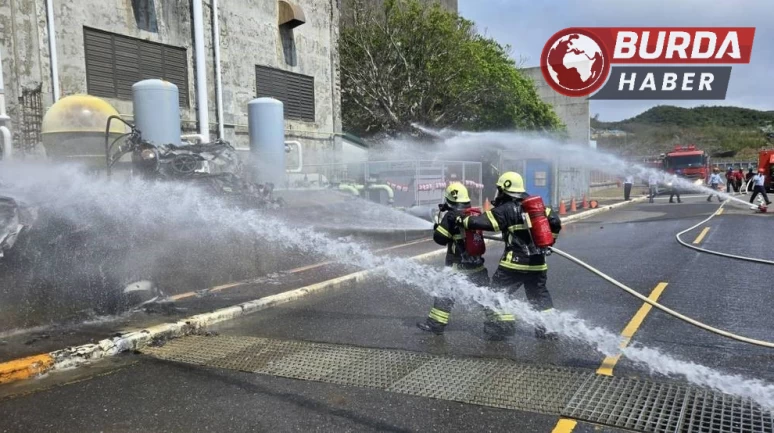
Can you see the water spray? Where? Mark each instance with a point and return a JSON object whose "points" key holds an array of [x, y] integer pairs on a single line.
{"points": [[146, 203], [667, 310], [539, 146]]}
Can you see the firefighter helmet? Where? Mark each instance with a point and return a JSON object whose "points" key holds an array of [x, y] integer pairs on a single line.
{"points": [[456, 195], [511, 183]]}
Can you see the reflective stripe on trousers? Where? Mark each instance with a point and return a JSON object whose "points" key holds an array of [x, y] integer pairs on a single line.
{"points": [[439, 316]]}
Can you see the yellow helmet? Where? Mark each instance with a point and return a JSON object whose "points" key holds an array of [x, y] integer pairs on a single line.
{"points": [[456, 194], [511, 183]]}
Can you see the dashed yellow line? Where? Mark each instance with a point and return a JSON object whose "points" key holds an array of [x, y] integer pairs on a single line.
{"points": [[609, 362], [700, 238], [720, 211], [565, 425]]}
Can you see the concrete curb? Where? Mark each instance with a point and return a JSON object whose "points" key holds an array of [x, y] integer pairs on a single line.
{"points": [[72, 357]]}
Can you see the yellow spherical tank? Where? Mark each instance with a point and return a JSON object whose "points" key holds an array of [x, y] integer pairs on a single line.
{"points": [[74, 129]]}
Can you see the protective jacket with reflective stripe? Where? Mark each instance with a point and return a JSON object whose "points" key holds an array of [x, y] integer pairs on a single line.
{"points": [[447, 233], [520, 253]]}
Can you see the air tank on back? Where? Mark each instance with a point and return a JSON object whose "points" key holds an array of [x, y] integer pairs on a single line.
{"points": [[157, 111], [266, 125]]}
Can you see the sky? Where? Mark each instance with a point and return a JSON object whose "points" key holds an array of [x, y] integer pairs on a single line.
{"points": [[527, 25]]}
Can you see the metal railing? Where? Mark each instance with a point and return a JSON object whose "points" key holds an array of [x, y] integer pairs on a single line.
{"points": [[417, 182]]}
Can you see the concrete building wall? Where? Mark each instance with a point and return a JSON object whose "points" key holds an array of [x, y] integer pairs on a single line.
{"points": [[249, 36], [571, 180], [574, 112]]}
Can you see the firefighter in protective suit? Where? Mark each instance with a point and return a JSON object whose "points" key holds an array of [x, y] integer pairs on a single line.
{"points": [[446, 232], [522, 263]]}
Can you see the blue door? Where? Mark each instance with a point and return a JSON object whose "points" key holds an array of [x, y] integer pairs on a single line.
{"points": [[538, 179]]}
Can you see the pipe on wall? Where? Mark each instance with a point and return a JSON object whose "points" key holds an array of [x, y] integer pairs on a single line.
{"points": [[6, 146], [201, 69], [300, 166], [52, 49], [218, 79]]}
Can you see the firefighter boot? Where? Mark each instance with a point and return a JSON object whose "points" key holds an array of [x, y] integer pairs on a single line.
{"points": [[438, 318], [542, 334], [498, 327], [429, 326]]}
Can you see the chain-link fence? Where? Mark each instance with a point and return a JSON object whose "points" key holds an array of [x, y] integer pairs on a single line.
{"points": [[411, 183], [597, 177]]}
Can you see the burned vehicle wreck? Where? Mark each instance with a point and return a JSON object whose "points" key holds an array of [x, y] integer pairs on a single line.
{"points": [[215, 167], [15, 218], [70, 260]]}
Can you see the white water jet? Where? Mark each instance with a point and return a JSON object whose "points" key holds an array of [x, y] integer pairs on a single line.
{"points": [[541, 146], [144, 203]]}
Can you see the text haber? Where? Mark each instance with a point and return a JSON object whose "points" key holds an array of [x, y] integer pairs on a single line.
{"points": [[668, 83]]}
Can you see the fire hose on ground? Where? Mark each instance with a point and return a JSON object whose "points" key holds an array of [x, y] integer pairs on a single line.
{"points": [[717, 253], [645, 299]]}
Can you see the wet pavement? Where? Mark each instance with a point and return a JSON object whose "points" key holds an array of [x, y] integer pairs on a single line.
{"points": [[42, 339], [634, 244]]}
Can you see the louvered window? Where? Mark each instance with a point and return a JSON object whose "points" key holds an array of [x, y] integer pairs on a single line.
{"points": [[296, 91], [115, 62]]}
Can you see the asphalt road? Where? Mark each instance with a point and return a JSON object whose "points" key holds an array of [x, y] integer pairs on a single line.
{"points": [[634, 245]]}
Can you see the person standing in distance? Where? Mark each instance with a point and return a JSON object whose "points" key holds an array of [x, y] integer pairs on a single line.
{"points": [[759, 181], [714, 182], [628, 182], [674, 188], [652, 186]]}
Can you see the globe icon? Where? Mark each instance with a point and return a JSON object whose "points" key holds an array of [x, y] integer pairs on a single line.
{"points": [[575, 62]]}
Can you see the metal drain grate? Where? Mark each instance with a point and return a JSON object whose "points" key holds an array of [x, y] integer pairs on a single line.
{"points": [[663, 407], [633, 404], [530, 388], [629, 403], [432, 379], [492, 382], [379, 370], [712, 412]]}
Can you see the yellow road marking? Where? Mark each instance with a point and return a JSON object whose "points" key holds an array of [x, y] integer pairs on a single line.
{"points": [[701, 236], [720, 211], [609, 362], [292, 271], [25, 368], [564, 425]]}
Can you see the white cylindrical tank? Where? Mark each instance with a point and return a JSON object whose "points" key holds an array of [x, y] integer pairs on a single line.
{"points": [[157, 111], [266, 123]]}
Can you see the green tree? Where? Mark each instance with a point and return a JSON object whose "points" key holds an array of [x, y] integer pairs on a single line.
{"points": [[415, 64]]}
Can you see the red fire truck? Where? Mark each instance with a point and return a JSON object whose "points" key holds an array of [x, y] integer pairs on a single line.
{"points": [[766, 162], [693, 163]]}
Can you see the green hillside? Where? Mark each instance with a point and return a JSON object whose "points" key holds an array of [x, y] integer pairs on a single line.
{"points": [[733, 130]]}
